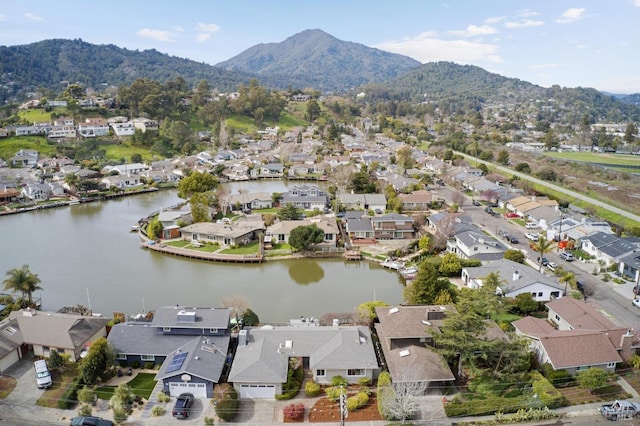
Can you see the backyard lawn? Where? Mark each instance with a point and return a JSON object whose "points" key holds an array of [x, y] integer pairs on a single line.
{"points": [[61, 381], [251, 248]]}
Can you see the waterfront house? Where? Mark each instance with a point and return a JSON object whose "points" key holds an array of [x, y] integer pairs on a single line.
{"points": [[393, 226], [279, 232], [190, 345], [363, 201], [265, 355], [36, 191], [232, 234], [473, 244], [250, 201], [594, 341], [359, 227], [121, 181]]}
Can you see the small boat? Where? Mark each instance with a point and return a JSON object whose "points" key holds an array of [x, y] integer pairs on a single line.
{"points": [[134, 228], [412, 270], [396, 265]]}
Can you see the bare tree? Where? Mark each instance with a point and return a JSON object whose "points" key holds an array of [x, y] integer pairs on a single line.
{"points": [[400, 401], [340, 176], [445, 228], [222, 196], [458, 198], [238, 304]]}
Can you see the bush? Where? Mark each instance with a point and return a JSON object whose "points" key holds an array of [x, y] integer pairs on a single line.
{"points": [[226, 400], [339, 381], [163, 397], [135, 364], [312, 389], [333, 393], [548, 395], [209, 421], [294, 412], [479, 407], [157, 411], [385, 393], [365, 381], [149, 365], [357, 401], [70, 396], [293, 385], [84, 410]]}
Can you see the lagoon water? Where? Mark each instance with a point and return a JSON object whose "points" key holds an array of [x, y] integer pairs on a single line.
{"points": [[85, 254]]}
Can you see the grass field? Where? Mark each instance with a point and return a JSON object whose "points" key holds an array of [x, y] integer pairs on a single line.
{"points": [[141, 385], [594, 157], [9, 146], [126, 150]]}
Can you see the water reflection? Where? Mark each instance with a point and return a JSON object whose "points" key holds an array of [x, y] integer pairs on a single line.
{"points": [[306, 271]]}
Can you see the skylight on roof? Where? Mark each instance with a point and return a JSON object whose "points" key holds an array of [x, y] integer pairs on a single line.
{"points": [[405, 352], [394, 310]]}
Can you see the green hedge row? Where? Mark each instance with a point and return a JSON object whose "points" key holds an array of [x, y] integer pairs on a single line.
{"points": [[70, 396]]}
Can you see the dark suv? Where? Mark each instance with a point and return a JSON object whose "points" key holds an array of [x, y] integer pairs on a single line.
{"points": [[182, 407]]}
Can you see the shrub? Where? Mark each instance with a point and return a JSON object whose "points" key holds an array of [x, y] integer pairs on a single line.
{"points": [[84, 410], [163, 397], [148, 365], [357, 401], [312, 389], [70, 396], [157, 411], [365, 381], [294, 412], [548, 395], [339, 381], [293, 385], [135, 364], [385, 393], [209, 421], [226, 399], [333, 393]]}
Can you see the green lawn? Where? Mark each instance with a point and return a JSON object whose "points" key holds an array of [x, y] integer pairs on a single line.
{"points": [[251, 248], [208, 248], [126, 150], [9, 146], [594, 157], [141, 385]]}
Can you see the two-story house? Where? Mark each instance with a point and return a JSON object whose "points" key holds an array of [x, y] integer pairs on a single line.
{"points": [[190, 344], [393, 226], [306, 197]]}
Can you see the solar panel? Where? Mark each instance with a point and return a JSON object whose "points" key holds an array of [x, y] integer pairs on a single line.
{"points": [[176, 362]]}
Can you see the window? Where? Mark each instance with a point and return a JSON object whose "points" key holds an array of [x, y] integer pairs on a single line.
{"points": [[321, 373], [147, 358], [540, 294], [555, 294], [583, 367], [121, 356], [213, 330], [557, 317], [355, 372], [60, 350], [165, 329], [611, 365]]}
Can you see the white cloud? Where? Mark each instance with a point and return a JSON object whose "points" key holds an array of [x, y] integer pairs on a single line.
{"points": [[33, 17], [496, 19], [205, 31], [636, 3], [523, 23], [527, 13], [571, 15], [426, 47], [475, 30], [157, 35]]}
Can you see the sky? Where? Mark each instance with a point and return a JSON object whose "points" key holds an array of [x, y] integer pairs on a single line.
{"points": [[588, 43]]}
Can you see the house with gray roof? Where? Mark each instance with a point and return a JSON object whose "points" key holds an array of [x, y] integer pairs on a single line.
{"points": [[629, 266], [12, 348], [608, 248], [250, 201], [363, 201], [393, 226], [227, 234], [306, 197], [279, 232], [473, 244], [359, 227], [576, 337], [515, 278], [190, 345], [69, 334], [265, 355]]}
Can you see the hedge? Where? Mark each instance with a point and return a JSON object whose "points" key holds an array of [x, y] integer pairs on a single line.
{"points": [[357, 401], [549, 396], [70, 396]]}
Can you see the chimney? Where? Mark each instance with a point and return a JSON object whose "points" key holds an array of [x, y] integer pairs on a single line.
{"points": [[516, 275], [625, 343], [242, 338]]}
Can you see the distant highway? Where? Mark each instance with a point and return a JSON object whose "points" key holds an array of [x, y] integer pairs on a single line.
{"points": [[555, 187]]}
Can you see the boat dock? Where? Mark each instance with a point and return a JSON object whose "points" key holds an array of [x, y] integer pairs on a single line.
{"points": [[201, 255], [352, 255]]}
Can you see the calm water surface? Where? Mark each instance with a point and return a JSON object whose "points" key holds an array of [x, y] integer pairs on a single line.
{"points": [[84, 254]]}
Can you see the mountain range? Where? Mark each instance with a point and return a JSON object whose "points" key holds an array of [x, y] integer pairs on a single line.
{"points": [[310, 59]]}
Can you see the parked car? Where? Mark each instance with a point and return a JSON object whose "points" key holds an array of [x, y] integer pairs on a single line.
{"points": [[378, 211], [544, 261], [636, 302], [552, 266], [90, 421], [620, 409], [182, 407], [530, 225], [488, 210], [531, 236], [513, 240], [511, 215], [476, 203], [567, 256]]}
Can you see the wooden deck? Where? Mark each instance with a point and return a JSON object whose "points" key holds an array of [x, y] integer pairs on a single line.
{"points": [[200, 255], [353, 255]]}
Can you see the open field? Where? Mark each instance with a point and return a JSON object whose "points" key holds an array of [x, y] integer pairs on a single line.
{"points": [[9, 146], [595, 157]]}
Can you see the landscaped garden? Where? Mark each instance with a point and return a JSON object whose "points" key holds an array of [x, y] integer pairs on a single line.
{"points": [[142, 385]]}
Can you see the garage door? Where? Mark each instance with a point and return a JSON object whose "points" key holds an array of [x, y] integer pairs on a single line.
{"points": [[258, 391], [199, 390], [9, 359]]}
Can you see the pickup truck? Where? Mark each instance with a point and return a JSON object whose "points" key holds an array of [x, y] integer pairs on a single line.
{"points": [[620, 409]]}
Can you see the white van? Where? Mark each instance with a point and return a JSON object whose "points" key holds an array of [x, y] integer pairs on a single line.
{"points": [[530, 225], [43, 378]]}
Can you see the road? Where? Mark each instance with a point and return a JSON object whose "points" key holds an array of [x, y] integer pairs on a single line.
{"points": [[577, 195], [613, 300]]}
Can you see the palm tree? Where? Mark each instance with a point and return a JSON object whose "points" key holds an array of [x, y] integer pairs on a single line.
{"points": [[24, 281], [568, 278], [72, 180], [542, 246]]}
